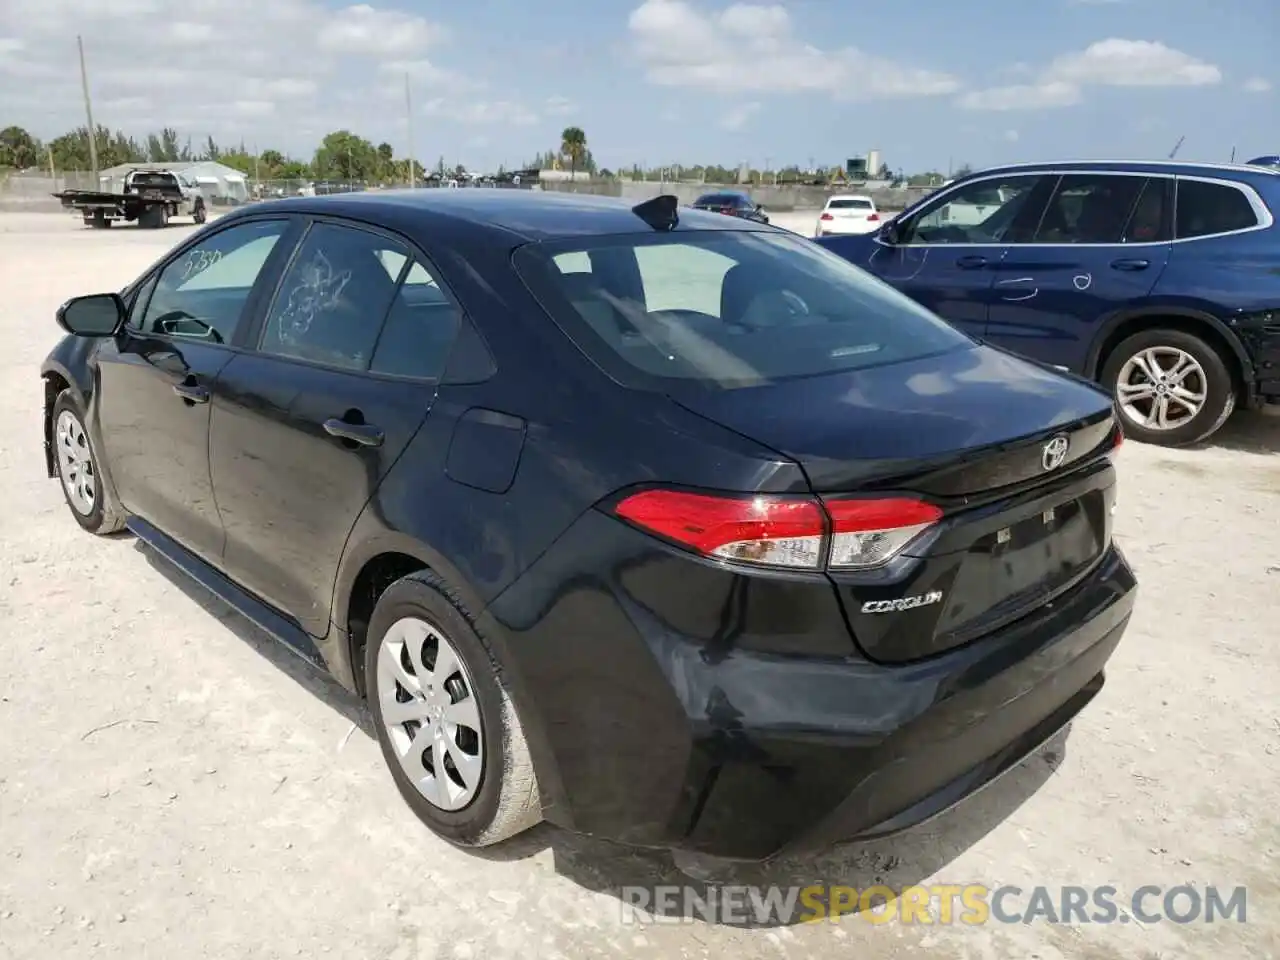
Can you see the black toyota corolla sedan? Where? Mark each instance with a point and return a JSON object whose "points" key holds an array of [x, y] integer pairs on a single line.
{"points": [[661, 525]]}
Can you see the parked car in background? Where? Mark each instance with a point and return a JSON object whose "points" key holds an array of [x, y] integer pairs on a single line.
{"points": [[846, 214], [1161, 280], [731, 204], [782, 559], [1272, 160]]}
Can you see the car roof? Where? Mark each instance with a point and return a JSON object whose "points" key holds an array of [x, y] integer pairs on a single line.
{"points": [[1168, 167], [506, 215]]}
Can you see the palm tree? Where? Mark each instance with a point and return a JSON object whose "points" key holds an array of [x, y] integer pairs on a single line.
{"points": [[573, 142]]}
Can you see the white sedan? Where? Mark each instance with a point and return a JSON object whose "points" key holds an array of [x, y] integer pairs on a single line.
{"points": [[847, 214]]}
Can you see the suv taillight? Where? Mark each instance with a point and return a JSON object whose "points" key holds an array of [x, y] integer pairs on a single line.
{"points": [[776, 531], [826, 216], [873, 216]]}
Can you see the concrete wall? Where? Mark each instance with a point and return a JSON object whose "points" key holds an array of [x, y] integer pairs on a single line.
{"points": [[31, 194], [780, 198]]}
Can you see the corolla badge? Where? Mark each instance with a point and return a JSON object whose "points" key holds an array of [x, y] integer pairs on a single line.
{"points": [[902, 603], [1054, 453]]}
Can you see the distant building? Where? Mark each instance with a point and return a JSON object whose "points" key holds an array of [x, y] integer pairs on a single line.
{"points": [[219, 183]]}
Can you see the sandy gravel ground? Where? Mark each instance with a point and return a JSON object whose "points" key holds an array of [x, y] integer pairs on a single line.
{"points": [[172, 784]]}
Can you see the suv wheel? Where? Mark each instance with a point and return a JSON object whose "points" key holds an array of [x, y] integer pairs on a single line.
{"points": [[445, 721], [1170, 387], [82, 485]]}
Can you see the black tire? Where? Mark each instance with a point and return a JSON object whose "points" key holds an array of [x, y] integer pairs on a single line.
{"points": [[507, 800], [1217, 384], [99, 220], [152, 218], [199, 215], [106, 516]]}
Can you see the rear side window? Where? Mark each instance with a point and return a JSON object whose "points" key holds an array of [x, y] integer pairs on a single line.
{"points": [[333, 298], [420, 328], [726, 310], [1205, 209]]}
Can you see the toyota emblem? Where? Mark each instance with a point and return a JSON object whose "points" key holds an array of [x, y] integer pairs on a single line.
{"points": [[1055, 453]]}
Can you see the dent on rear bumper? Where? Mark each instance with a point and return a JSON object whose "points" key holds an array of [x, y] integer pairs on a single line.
{"points": [[659, 739]]}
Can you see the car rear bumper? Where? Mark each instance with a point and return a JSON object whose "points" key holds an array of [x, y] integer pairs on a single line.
{"points": [[644, 737]]}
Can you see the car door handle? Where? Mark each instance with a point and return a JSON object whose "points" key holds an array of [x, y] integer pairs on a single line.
{"points": [[191, 392], [365, 434], [1130, 265], [972, 262]]}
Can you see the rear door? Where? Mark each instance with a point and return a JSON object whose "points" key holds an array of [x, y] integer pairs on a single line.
{"points": [[949, 250], [305, 427], [1102, 243]]}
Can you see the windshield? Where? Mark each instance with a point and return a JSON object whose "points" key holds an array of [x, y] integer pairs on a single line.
{"points": [[725, 309]]}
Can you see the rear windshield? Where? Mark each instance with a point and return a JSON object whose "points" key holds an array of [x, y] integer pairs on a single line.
{"points": [[721, 200], [849, 204], [725, 308]]}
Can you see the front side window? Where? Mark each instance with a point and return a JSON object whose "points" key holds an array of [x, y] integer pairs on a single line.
{"points": [[1089, 208], [981, 212], [726, 309], [203, 292], [1205, 209], [333, 298]]}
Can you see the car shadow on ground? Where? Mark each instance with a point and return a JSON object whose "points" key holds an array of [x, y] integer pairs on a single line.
{"points": [[624, 872], [1249, 431]]}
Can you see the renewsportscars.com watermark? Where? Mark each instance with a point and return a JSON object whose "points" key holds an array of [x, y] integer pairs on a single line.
{"points": [[936, 904]]}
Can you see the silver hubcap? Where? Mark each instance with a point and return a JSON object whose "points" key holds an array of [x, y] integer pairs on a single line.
{"points": [[75, 463], [1161, 388], [430, 713]]}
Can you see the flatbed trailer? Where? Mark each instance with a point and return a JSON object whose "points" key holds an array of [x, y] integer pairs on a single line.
{"points": [[149, 198]]}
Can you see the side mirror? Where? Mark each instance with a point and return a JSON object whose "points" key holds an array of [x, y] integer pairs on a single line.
{"points": [[96, 315], [891, 233]]}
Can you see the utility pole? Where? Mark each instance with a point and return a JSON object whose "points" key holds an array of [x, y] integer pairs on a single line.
{"points": [[408, 113], [53, 173], [88, 112]]}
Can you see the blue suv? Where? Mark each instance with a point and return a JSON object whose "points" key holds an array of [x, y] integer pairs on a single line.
{"points": [[1160, 280]]}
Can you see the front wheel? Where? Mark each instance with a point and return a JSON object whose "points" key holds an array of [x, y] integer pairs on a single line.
{"points": [[199, 215], [77, 464], [1170, 387], [445, 720]]}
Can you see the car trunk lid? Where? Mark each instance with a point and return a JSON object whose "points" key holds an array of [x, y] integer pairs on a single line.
{"points": [[1012, 453]]}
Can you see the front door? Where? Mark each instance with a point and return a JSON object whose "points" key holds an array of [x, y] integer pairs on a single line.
{"points": [[948, 252], [1102, 242], [306, 426], [156, 380]]}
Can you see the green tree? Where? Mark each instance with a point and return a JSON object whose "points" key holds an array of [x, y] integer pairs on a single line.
{"points": [[573, 144], [345, 156], [18, 148], [387, 163]]}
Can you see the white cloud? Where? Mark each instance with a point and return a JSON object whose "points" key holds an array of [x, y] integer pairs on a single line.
{"points": [[559, 107], [1257, 85], [1108, 63], [481, 112], [1029, 96], [276, 74], [751, 47], [1133, 63], [363, 29], [737, 117]]}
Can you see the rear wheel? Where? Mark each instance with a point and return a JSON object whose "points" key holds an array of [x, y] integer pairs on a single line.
{"points": [[1170, 387], [77, 464], [447, 726], [98, 220]]}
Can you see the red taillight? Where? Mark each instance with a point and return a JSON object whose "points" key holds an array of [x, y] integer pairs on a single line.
{"points": [[826, 216], [775, 531], [778, 531], [873, 216]]}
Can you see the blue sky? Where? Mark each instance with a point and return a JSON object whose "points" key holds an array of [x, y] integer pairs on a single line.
{"points": [[668, 81]]}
